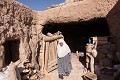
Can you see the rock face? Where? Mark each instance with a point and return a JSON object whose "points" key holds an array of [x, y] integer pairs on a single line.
{"points": [[77, 11], [70, 1], [114, 23], [106, 55], [16, 22]]}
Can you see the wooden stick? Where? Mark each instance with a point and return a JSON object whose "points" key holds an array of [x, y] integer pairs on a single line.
{"points": [[52, 38], [51, 50], [47, 75], [55, 48], [46, 54], [42, 56]]}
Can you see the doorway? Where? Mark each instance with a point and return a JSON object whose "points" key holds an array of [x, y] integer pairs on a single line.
{"points": [[11, 48], [76, 34]]}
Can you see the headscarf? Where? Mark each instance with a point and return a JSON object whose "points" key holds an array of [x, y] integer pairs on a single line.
{"points": [[62, 50]]}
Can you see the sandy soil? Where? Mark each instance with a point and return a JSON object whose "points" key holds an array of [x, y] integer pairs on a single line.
{"points": [[76, 73]]}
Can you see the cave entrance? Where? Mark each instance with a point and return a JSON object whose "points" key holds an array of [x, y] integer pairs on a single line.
{"points": [[76, 34], [11, 48]]}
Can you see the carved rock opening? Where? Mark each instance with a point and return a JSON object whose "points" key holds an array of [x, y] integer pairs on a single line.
{"points": [[77, 34], [11, 49]]}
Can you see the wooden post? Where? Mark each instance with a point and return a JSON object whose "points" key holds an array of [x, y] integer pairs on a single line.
{"points": [[42, 55], [46, 55], [55, 46], [53, 54], [51, 50]]}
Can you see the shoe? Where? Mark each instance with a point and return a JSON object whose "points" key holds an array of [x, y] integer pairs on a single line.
{"points": [[67, 73], [61, 76]]}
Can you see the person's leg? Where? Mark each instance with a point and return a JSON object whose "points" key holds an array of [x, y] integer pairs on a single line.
{"points": [[87, 62], [92, 64], [67, 65], [70, 64], [60, 68]]}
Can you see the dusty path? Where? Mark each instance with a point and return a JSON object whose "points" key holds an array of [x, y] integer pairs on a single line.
{"points": [[76, 73]]}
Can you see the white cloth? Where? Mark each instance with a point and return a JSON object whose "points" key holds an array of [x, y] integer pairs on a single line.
{"points": [[62, 50], [5, 74]]}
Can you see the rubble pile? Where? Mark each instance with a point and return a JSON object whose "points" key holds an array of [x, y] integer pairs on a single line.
{"points": [[106, 53], [107, 61]]}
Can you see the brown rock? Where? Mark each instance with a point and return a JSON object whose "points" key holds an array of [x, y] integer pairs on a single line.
{"points": [[105, 62], [100, 56]]}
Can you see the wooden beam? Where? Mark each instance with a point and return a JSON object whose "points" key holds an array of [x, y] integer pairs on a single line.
{"points": [[91, 76], [46, 55], [42, 56], [46, 38]]}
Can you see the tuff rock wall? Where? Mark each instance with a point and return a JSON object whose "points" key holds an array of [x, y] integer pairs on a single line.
{"points": [[113, 19], [16, 22], [82, 10]]}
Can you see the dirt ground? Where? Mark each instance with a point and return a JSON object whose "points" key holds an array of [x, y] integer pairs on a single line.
{"points": [[76, 73]]}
